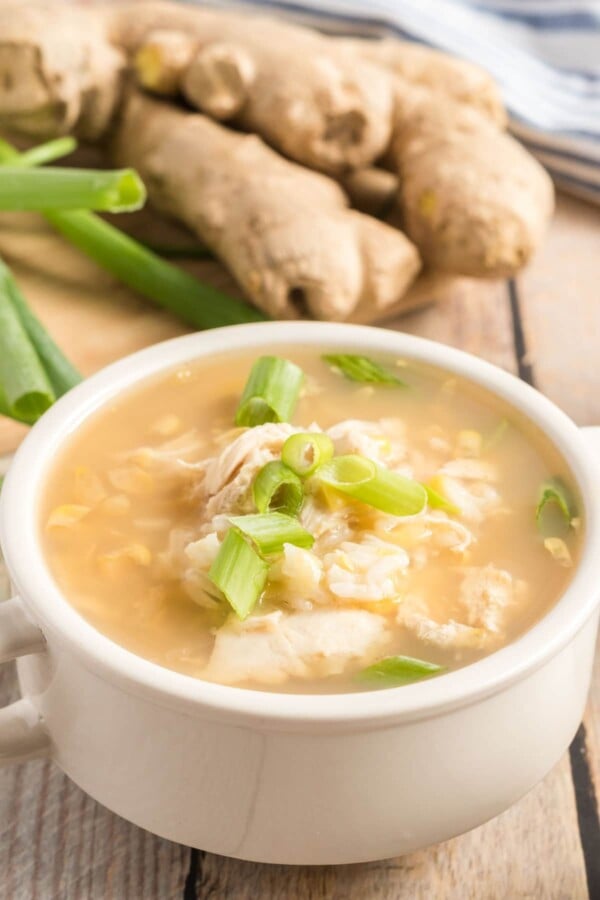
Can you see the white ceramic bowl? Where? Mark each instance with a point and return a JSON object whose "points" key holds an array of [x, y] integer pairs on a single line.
{"points": [[278, 777]]}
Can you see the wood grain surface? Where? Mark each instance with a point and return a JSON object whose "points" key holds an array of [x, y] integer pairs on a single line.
{"points": [[58, 843]]}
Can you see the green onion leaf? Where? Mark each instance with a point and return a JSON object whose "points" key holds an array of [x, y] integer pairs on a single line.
{"points": [[198, 304], [397, 670], [22, 188], [37, 156], [25, 390], [271, 392], [269, 532], [305, 452], [61, 373], [239, 573], [556, 508], [364, 480], [277, 488], [363, 369], [438, 501]]}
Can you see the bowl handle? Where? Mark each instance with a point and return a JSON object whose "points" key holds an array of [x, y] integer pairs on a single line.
{"points": [[22, 735]]}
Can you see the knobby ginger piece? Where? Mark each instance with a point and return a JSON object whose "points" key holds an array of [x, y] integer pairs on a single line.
{"points": [[58, 71], [473, 200], [459, 80], [285, 233], [302, 91]]}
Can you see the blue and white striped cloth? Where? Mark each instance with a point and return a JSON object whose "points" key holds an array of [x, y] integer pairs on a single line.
{"points": [[545, 55]]}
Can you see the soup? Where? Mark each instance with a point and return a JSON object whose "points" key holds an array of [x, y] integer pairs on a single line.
{"points": [[310, 522]]}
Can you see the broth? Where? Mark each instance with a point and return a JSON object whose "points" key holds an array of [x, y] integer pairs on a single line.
{"points": [[130, 527]]}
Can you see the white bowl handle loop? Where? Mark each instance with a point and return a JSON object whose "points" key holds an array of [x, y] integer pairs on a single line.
{"points": [[22, 735]]}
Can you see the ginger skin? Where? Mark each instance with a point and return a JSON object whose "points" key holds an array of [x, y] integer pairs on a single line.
{"points": [[285, 233], [443, 75], [58, 72], [299, 90], [471, 198]]}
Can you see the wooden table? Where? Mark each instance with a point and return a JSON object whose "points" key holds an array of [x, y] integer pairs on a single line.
{"points": [[58, 843]]}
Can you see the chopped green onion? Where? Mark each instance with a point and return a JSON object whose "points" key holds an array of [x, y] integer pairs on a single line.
{"points": [[198, 304], [277, 488], [363, 369], [26, 392], [37, 156], [438, 501], [61, 373], [364, 480], [271, 392], [305, 452], [556, 508], [239, 573], [397, 670], [22, 188], [269, 532]]}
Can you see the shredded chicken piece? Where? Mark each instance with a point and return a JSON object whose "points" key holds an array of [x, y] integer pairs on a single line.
{"points": [[228, 476], [485, 594], [474, 499], [272, 648], [384, 441], [414, 615]]}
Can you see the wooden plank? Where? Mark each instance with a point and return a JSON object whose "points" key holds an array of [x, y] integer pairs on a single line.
{"points": [[526, 852], [561, 311], [557, 302]]}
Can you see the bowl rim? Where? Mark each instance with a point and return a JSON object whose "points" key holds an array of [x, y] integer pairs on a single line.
{"points": [[43, 599]]}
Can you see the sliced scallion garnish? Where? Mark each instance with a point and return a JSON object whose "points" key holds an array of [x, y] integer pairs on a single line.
{"points": [[271, 392], [364, 480], [438, 501], [277, 488], [556, 507], [270, 531], [239, 573], [363, 369], [305, 452], [397, 670]]}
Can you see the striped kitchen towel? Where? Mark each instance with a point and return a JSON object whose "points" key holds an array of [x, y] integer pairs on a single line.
{"points": [[545, 55]]}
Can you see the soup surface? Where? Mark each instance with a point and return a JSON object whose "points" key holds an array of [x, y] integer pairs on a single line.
{"points": [[375, 581]]}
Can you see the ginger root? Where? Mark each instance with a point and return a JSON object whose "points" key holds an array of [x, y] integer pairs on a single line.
{"points": [[301, 91], [58, 72], [471, 198], [285, 233], [443, 75]]}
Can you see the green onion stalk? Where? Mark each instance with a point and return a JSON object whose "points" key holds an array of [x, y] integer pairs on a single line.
{"points": [[169, 287]]}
